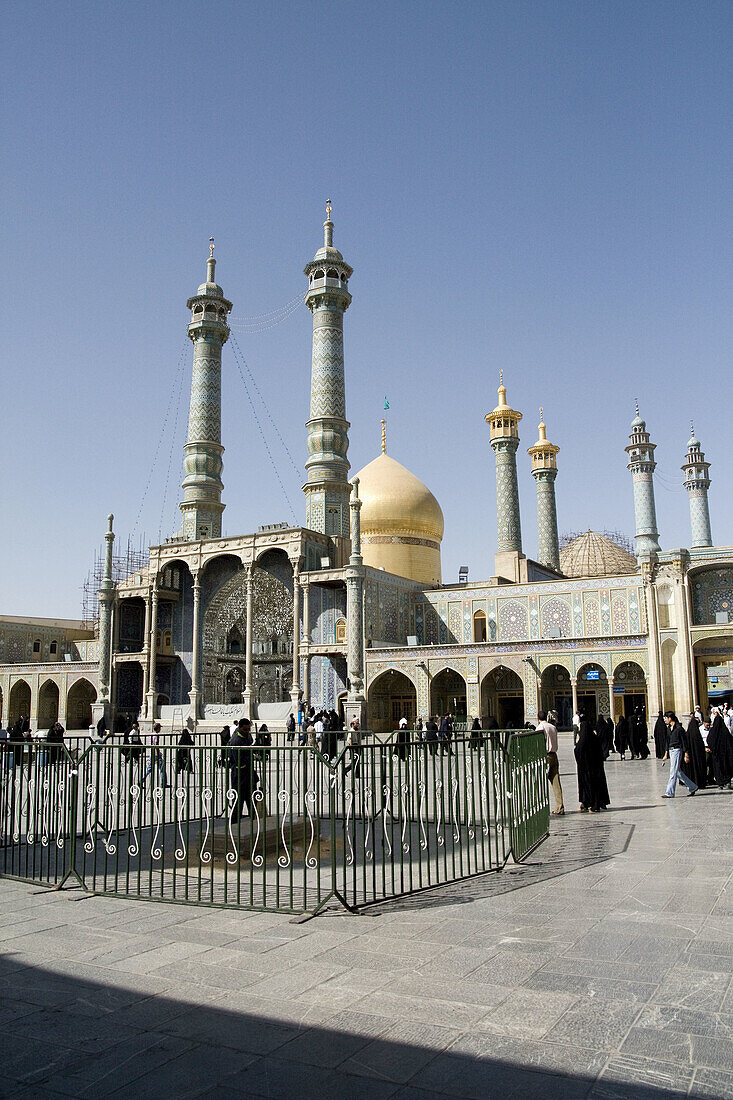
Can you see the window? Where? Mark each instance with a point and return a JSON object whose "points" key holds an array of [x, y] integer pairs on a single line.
{"points": [[167, 642], [54, 648], [37, 645], [479, 626], [333, 274], [318, 274], [341, 631]]}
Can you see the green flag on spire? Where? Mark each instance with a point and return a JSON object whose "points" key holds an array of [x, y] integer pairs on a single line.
{"points": [[386, 403]]}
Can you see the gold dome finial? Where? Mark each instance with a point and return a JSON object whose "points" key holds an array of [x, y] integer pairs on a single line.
{"points": [[502, 390], [543, 429], [384, 437], [211, 247], [328, 227], [328, 210], [211, 262]]}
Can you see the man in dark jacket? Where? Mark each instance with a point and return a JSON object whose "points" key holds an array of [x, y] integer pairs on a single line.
{"points": [[241, 766], [676, 751]]}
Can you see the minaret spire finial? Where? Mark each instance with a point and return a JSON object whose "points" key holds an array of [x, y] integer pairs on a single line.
{"points": [[692, 429], [328, 227], [384, 437], [636, 405], [210, 263]]}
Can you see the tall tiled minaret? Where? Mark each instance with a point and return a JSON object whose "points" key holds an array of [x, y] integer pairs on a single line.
{"points": [[544, 472], [504, 428], [202, 485], [697, 483], [642, 466], [327, 489]]}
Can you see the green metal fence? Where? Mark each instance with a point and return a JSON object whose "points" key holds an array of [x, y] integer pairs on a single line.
{"points": [[273, 828]]}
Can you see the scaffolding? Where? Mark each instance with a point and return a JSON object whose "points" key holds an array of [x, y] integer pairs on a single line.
{"points": [[125, 562], [617, 537]]}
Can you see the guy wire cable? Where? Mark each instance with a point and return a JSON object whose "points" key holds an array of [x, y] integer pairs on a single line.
{"points": [[170, 456], [161, 433], [264, 440], [235, 345]]}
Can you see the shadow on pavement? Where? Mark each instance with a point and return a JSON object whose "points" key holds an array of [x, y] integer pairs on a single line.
{"points": [[62, 1035], [570, 847]]}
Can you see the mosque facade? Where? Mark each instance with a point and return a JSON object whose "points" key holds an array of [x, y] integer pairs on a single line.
{"points": [[349, 612]]}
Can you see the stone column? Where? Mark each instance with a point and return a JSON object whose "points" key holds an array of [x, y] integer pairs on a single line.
{"points": [[248, 693], [295, 686], [574, 689], [655, 695], [688, 699], [146, 646], [193, 695], [106, 596], [355, 706], [610, 696], [102, 708], [152, 694], [306, 611]]}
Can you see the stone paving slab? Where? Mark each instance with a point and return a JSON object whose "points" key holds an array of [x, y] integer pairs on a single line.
{"points": [[601, 969]]}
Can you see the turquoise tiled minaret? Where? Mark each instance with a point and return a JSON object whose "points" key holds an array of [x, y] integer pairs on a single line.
{"points": [[202, 485], [544, 472], [697, 483], [504, 427], [642, 466], [327, 489]]}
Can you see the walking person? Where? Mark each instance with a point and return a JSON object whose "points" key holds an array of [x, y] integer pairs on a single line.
{"points": [[241, 768], [157, 758], [622, 736], [676, 751], [290, 727], [183, 752], [592, 786], [720, 746], [660, 737], [698, 763], [553, 767], [353, 744]]}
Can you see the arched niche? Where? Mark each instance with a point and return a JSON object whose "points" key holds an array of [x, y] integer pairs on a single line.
{"points": [[391, 696], [448, 694], [79, 701], [502, 697]]}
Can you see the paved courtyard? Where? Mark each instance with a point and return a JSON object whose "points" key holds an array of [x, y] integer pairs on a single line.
{"points": [[601, 968]]}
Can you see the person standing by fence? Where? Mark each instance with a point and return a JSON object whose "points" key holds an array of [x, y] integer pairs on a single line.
{"points": [[156, 758], [553, 767]]}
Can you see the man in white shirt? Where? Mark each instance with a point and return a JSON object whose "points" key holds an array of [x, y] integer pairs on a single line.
{"points": [[553, 767]]}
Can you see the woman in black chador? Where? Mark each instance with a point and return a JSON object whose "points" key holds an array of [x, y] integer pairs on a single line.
{"points": [[720, 744], [697, 766], [592, 786], [660, 738], [622, 736], [639, 735], [604, 735]]}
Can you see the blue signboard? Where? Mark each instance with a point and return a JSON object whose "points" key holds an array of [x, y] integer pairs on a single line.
{"points": [[594, 674]]}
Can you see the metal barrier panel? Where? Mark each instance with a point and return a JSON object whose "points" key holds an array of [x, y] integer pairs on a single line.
{"points": [[37, 791], [412, 814], [528, 809], [279, 827], [246, 826]]}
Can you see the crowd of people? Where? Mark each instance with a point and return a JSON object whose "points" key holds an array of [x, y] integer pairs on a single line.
{"points": [[699, 756]]}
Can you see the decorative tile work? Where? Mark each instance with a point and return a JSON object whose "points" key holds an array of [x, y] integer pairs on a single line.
{"points": [[591, 615], [512, 620], [508, 523], [700, 517], [605, 599], [534, 617], [556, 614], [712, 592], [548, 547], [455, 621], [620, 615]]}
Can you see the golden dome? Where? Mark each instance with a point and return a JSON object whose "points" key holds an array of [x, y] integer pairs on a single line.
{"points": [[594, 555], [401, 521]]}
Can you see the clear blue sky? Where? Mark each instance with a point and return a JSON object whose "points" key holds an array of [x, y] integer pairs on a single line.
{"points": [[543, 187]]}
